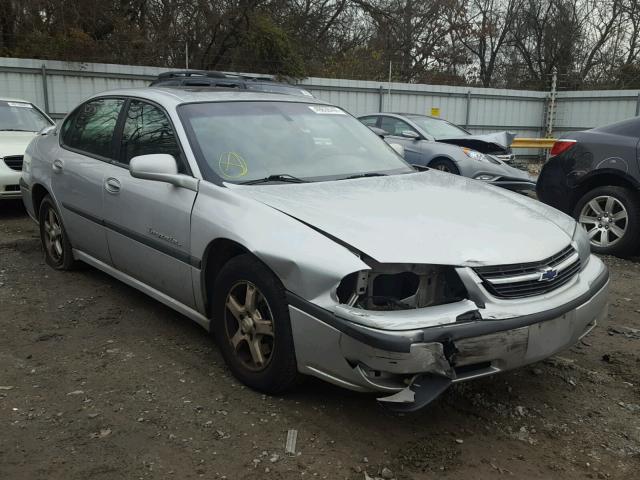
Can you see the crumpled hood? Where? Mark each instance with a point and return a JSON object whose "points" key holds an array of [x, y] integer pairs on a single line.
{"points": [[428, 217], [14, 143], [499, 142]]}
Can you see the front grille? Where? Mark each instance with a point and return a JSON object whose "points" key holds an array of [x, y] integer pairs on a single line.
{"points": [[12, 188], [14, 162], [524, 279]]}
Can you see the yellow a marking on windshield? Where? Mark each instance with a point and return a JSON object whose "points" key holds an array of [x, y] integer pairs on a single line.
{"points": [[232, 165]]}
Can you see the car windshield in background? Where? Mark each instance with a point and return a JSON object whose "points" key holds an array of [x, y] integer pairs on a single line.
{"points": [[240, 142], [278, 88], [438, 128], [21, 116]]}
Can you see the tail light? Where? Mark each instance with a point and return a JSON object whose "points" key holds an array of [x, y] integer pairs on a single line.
{"points": [[561, 146]]}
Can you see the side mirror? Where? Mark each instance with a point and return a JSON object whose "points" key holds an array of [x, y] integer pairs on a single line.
{"points": [[378, 131], [410, 134], [47, 130], [161, 167], [398, 148]]}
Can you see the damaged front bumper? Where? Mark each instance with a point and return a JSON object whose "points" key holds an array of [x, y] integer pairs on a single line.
{"points": [[438, 346]]}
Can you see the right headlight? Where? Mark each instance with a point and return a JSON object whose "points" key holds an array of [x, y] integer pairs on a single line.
{"points": [[582, 244]]}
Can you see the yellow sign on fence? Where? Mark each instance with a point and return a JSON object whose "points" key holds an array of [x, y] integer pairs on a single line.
{"points": [[435, 111]]}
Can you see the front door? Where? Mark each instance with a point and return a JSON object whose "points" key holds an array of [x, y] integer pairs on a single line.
{"points": [[149, 223], [85, 150], [394, 127]]}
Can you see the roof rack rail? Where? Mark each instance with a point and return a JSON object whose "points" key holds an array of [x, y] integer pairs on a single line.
{"points": [[191, 73]]}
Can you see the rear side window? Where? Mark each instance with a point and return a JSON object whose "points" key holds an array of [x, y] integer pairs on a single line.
{"points": [[90, 128], [147, 130]]}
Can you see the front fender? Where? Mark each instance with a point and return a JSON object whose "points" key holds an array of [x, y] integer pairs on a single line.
{"points": [[307, 262]]}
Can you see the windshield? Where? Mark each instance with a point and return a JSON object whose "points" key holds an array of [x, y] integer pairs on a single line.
{"points": [[438, 128], [21, 116], [241, 142]]}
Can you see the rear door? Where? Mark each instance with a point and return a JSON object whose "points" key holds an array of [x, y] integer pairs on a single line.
{"points": [[148, 222], [86, 149], [395, 127]]}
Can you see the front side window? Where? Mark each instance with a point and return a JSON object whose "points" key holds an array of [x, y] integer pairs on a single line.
{"points": [[21, 117], [395, 126], [244, 141], [90, 128], [147, 130]]}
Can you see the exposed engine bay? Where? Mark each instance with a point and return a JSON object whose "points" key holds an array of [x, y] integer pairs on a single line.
{"points": [[392, 286]]}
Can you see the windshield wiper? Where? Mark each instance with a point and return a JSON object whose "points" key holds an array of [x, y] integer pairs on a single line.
{"points": [[363, 175], [282, 177]]}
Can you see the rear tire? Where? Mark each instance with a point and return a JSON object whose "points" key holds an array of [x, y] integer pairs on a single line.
{"points": [[252, 326], [611, 217], [58, 253], [444, 165]]}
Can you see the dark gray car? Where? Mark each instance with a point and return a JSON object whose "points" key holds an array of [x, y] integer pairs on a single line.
{"points": [[458, 155], [595, 177]]}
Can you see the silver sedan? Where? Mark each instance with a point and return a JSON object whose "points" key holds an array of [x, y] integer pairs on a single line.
{"points": [[307, 245], [454, 150]]}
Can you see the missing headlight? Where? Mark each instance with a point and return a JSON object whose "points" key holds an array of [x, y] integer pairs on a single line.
{"points": [[401, 287]]}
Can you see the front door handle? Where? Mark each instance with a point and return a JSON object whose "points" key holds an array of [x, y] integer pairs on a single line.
{"points": [[57, 165], [112, 185]]}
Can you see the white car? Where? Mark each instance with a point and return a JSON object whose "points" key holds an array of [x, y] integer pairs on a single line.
{"points": [[20, 121]]}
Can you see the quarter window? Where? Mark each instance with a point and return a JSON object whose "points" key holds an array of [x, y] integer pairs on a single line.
{"points": [[146, 131], [90, 128]]}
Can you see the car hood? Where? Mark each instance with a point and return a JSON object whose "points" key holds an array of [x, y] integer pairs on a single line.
{"points": [[14, 143], [496, 143], [428, 217]]}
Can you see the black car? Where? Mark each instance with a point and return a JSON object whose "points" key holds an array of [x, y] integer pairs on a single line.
{"points": [[205, 78], [595, 177]]}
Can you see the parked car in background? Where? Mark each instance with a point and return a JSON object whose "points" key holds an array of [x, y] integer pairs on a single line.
{"points": [[594, 176], [420, 148], [20, 121], [207, 78], [436, 129], [307, 245]]}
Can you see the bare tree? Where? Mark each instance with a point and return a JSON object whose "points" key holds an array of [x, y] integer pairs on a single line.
{"points": [[485, 28]]}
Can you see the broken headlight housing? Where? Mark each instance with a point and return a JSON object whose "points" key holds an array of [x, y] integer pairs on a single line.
{"points": [[392, 286]]}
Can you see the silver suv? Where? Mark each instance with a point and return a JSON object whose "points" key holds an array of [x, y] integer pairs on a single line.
{"points": [[307, 245]]}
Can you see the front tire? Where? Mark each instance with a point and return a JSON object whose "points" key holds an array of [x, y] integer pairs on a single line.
{"points": [[444, 165], [58, 253], [252, 326], [611, 217]]}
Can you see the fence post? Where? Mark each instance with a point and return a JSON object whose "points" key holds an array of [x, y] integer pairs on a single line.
{"points": [[466, 122], [45, 89], [380, 98], [552, 103], [638, 105]]}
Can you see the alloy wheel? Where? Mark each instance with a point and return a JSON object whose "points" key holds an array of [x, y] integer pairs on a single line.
{"points": [[249, 325], [53, 235], [605, 219]]}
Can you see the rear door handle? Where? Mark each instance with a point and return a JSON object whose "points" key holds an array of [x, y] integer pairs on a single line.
{"points": [[57, 165], [112, 185]]}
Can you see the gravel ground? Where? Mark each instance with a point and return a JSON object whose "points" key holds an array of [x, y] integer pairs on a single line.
{"points": [[98, 381]]}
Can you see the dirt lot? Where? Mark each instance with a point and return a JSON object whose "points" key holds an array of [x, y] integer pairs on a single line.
{"points": [[98, 381]]}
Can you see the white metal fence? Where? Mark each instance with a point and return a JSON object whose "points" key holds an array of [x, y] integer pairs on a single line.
{"points": [[59, 86]]}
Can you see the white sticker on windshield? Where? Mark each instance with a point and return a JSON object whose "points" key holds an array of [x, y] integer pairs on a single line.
{"points": [[326, 110], [21, 105]]}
